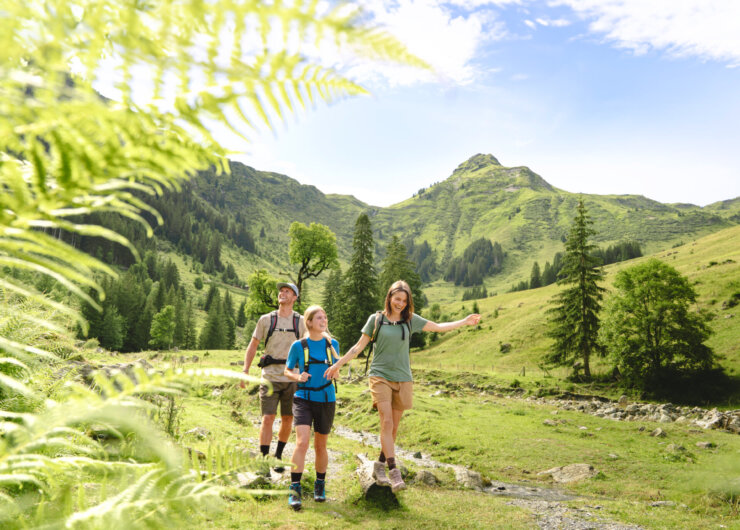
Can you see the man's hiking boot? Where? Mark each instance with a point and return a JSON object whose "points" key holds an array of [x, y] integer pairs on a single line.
{"points": [[279, 468], [294, 498], [381, 479], [319, 490], [397, 483]]}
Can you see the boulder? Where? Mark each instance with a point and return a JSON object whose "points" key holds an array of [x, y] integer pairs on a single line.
{"points": [[381, 496], [570, 473], [250, 480], [706, 445], [468, 479], [426, 477], [623, 401], [658, 433], [199, 432], [549, 422]]}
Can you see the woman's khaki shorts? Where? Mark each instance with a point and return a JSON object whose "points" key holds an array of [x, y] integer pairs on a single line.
{"points": [[400, 395]]}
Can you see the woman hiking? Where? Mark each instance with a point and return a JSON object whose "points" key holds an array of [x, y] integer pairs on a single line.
{"points": [[390, 371], [314, 400]]}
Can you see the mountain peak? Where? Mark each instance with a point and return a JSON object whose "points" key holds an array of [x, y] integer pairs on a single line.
{"points": [[476, 162]]}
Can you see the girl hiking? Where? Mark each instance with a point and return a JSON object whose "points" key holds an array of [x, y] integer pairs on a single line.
{"points": [[314, 400], [390, 372]]}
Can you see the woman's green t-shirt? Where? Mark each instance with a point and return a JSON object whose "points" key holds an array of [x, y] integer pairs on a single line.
{"points": [[391, 359]]}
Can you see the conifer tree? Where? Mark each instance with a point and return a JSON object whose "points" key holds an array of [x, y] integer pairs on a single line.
{"points": [[212, 294], [111, 328], [228, 305], [189, 336], [332, 302], [357, 299], [179, 333], [535, 279], [241, 314], [214, 331], [163, 328], [397, 266], [574, 318]]}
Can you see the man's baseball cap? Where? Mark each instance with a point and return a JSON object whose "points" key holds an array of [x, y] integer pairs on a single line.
{"points": [[280, 285]]}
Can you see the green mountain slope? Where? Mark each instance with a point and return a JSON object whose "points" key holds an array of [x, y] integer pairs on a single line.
{"points": [[712, 264], [482, 198], [529, 217]]}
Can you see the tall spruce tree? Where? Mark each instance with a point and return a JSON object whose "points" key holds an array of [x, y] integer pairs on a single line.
{"points": [[331, 301], [190, 334], [213, 334], [357, 299], [535, 278], [574, 318]]}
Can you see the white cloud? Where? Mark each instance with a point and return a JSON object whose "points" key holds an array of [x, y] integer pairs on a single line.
{"points": [[530, 24], [708, 29], [445, 37]]}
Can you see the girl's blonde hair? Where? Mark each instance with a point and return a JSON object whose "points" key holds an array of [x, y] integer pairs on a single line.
{"points": [[398, 286], [308, 315]]}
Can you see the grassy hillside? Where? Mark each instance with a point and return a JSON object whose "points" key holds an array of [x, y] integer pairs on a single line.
{"points": [[712, 263]]}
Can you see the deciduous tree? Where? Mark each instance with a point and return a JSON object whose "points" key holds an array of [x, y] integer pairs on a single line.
{"points": [[313, 249], [650, 328]]}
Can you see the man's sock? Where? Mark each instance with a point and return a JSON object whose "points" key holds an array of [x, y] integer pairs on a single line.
{"points": [[321, 476], [265, 449], [391, 462], [279, 450], [381, 458], [296, 477]]}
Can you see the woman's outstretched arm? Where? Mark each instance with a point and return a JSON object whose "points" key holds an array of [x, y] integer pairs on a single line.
{"points": [[470, 320]]}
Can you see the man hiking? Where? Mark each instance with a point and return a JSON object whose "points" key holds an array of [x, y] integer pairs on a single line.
{"points": [[279, 329]]}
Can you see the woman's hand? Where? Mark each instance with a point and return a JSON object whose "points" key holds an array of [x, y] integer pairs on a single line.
{"points": [[472, 320], [332, 372], [303, 377]]}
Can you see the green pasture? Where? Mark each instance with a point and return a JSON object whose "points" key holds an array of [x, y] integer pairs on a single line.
{"points": [[497, 433]]}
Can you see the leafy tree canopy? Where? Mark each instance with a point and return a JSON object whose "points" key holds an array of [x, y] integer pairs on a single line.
{"points": [[650, 329], [313, 248]]}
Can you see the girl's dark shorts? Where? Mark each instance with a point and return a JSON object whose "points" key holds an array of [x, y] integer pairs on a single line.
{"points": [[318, 414]]}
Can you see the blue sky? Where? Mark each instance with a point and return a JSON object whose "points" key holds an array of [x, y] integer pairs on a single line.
{"points": [[596, 96]]}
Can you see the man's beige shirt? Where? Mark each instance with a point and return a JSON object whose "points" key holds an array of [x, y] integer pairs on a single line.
{"points": [[279, 344]]}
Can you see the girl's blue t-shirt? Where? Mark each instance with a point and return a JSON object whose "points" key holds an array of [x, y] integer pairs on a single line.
{"points": [[316, 368]]}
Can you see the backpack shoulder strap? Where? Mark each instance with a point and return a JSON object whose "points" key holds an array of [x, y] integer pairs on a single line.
{"points": [[306, 355], [376, 327], [296, 324], [273, 325]]}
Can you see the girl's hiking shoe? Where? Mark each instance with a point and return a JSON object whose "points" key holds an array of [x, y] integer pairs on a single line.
{"points": [[397, 483], [294, 498], [381, 479], [319, 490]]}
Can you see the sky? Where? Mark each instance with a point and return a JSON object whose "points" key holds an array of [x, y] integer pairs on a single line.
{"points": [[596, 96]]}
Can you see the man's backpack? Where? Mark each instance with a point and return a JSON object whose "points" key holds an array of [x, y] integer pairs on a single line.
{"points": [[273, 326], [380, 321], [307, 361], [267, 360]]}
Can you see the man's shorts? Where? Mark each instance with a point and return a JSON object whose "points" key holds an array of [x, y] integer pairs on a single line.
{"points": [[281, 393], [320, 414], [399, 394]]}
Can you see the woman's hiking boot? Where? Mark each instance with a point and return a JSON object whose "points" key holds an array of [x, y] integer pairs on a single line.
{"points": [[319, 490], [294, 498], [381, 479], [397, 483]]}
